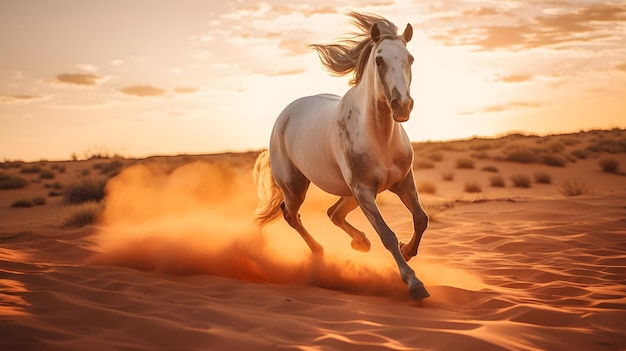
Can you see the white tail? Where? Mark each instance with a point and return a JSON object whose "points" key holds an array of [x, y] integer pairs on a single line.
{"points": [[269, 193]]}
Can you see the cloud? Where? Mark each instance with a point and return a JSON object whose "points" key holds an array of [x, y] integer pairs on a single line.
{"points": [[83, 79], [510, 106], [621, 67], [286, 72], [19, 99], [515, 78], [143, 91], [585, 24]]}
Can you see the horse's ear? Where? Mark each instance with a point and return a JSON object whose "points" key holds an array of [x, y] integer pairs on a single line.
{"points": [[375, 33], [408, 33]]}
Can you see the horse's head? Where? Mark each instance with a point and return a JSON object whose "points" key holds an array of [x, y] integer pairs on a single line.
{"points": [[393, 65]]}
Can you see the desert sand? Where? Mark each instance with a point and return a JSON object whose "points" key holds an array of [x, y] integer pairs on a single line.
{"points": [[174, 262]]}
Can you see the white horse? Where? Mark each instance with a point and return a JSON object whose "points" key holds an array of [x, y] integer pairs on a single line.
{"points": [[352, 146]]}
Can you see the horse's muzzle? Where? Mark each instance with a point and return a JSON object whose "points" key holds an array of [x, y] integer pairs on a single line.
{"points": [[401, 109]]}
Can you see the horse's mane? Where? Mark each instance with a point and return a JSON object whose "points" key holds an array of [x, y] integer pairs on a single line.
{"points": [[350, 55]]}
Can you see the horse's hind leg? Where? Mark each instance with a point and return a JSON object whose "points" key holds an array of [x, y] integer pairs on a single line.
{"points": [[294, 191], [338, 213]]}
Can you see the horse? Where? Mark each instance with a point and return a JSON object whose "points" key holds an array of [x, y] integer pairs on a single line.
{"points": [[352, 146]]}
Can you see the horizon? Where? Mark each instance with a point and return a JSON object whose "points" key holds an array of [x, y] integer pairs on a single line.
{"points": [[200, 78]]}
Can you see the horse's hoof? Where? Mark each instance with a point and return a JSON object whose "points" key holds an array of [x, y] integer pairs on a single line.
{"points": [[361, 245], [418, 292]]}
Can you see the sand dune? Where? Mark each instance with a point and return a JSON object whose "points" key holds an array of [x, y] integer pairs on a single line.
{"points": [[175, 263]]}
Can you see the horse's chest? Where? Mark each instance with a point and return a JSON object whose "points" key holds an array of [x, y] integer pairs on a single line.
{"points": [[379, 170]]}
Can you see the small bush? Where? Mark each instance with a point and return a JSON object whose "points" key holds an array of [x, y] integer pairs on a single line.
{"points": [[573, 187], [426, 187], [112, 168], [84, 214], [36, 201], [435, 156], [447, 176], [581, 154], [497, 181], [57, 167], [522, 154], [10, 164], [521, 181], [31, 169], [85, 190], [53, 193], [46, 174], [554, 160], [543, 178], [609, 165], [11, 182], [473, 187], [490, 169], [481, 155], [464, 163]]}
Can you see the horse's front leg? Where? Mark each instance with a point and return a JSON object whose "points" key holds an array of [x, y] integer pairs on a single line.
{"points": [[407, 192], [366, 199]]}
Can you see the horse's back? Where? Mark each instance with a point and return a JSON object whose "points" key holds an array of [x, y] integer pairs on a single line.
{"points": [[303, 137]]}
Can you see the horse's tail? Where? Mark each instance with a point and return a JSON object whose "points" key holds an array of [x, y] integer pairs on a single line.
{"points": [[269, 193]]}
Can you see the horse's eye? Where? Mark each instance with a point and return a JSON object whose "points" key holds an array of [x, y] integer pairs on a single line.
{"points": [[379, 61]]}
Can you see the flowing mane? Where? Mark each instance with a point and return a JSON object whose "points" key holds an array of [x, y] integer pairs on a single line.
{"points": [[350, 55]]}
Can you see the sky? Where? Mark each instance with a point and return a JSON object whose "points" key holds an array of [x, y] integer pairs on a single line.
{"points": [[146, 77]]}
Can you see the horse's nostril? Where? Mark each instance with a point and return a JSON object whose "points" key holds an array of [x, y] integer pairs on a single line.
{"points": [[410, 104], [395, 104]]}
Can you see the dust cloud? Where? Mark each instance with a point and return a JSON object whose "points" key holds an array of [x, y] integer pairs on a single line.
{"points": [[197, 218]]}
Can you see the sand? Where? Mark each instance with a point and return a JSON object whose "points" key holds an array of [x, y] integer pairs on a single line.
{"points": [[175, 263]]}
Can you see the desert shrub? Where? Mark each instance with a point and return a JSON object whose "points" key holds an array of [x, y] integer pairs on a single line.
{"points": [[481, 146], [521, 181], [53, 193], [11, 182], [464, 163], [490, 169], [543, 178], [110, 168], [423, 164], [553, 160], [481, 155], [10, 164], [59, 168], [31, 169], [472, 187], [609, 165], [497, 181], [85, 172], [573, 187], [85, 190], [555, 146], [435, 156], [36, 201], [46, 174], [521, 154], [581, 154], [447, 176], [608, 145], [427, 187], [84, 214]]}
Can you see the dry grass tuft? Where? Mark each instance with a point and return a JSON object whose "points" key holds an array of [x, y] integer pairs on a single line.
{"points": [[573, 187]]}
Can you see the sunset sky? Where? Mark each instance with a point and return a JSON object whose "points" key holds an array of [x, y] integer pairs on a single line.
{"points": [[145, 77]]}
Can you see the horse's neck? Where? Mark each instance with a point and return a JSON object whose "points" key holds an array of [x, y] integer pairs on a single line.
{"points": [[376, 117]]}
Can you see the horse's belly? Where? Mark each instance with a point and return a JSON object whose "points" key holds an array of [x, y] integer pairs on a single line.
{"points": [[332, 184]]}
